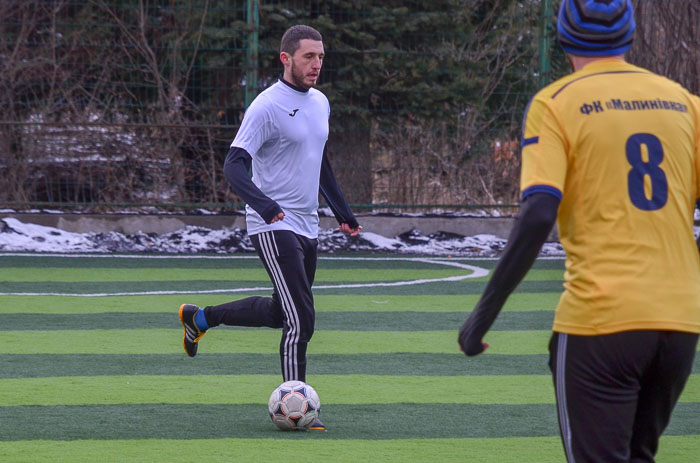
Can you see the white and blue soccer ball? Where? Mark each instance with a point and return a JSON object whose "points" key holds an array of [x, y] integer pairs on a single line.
{"points": [[294, 406]]}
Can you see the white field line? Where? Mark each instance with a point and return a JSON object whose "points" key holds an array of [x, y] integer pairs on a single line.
{"points": [[476, 272]]}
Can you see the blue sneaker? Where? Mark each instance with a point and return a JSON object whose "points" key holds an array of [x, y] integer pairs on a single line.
{"points": [[317, 426], [192, 333]]}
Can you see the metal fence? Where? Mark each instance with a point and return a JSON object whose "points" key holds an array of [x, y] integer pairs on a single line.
{"points": [[116, 104]]}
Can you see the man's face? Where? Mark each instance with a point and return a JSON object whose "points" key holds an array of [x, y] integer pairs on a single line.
{"points": [[303, 68]]}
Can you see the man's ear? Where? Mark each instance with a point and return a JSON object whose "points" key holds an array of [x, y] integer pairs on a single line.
{"points": [[285, 58]]}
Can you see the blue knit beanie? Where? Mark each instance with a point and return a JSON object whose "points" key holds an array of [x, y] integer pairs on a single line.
{"points": [[596, 27]]}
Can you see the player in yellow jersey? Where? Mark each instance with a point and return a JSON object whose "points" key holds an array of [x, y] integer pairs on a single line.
{"points": [[612, 153]]}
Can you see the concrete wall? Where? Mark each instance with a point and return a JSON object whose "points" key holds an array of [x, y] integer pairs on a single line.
{"points": [[383, 225], [127, 223]]}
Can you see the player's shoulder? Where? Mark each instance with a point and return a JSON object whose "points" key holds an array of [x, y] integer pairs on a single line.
{"points": [[544, 101], [696, 102], [690, 98], [318, 94], [543, 98], [263, 103], [554, 89], [675, 91], [321, 99], [267, 95]]}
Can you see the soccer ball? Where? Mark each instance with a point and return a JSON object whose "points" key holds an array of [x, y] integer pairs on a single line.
{"points": [[294, 406]]}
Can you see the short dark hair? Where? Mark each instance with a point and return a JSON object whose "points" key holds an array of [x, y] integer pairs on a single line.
{"points": [[295, 34]]}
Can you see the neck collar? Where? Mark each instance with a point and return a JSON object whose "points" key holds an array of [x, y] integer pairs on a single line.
{"points": [[292, 86]]}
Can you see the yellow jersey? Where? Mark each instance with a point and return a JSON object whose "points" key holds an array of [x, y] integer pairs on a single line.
{"points": [[620, 146]]}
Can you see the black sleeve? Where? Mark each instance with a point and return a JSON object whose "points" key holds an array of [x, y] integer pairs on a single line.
{"points": [[236, 168], [334, 197], [538, 213]]}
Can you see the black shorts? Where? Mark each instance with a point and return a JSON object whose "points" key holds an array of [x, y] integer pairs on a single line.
{"points": [[615, 393]]}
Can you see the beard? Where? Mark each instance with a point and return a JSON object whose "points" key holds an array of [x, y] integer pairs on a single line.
{"points": [[298, 78]]}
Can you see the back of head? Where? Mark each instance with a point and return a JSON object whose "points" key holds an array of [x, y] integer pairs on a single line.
{"points": [[295, 34], [596, 27]]}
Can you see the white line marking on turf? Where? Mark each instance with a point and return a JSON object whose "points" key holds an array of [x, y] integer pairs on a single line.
{"points": [[477, 272]]}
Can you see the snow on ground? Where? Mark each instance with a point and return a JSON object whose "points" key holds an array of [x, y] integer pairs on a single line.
{"points": [[17, 236]]}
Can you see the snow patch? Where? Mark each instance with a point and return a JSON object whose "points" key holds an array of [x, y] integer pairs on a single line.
{"points": [[18, 236]]}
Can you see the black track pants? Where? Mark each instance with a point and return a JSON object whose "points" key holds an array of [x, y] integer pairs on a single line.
{"points": [[290, 261], [615, 393]]}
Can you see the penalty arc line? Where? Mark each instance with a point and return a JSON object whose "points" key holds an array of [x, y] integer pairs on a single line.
{"points": [[477, 272]]}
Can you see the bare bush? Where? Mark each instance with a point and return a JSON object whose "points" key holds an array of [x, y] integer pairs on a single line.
{"points": [[75, 129], [424, 163], [98, 104]]}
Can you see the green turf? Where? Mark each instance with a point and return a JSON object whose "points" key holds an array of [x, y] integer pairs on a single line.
{"points": [[673, 449], [296, 446], [133, 261], [251, 275], [324, 303], [262, 341], [517, 302], [371, 321], [400, 364], [244, 260], [201, 421], [321, 287], [334, 389], [365, 421], [105, 378]]}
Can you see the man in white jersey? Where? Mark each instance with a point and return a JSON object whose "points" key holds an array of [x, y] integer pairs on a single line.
{"points": [[283, 136]]}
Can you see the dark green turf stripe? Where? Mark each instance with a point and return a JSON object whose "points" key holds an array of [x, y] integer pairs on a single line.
{"points": [[404, 364], [519, 302], [458, 287], [373, 421], [370, 421], [363, 321]]}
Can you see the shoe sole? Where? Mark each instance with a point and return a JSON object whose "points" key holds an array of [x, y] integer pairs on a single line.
{"points": [[317, 427], [184, 337]]}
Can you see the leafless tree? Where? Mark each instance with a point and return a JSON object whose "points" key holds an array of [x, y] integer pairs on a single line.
{"points": [[95, 109], [668, 40]]}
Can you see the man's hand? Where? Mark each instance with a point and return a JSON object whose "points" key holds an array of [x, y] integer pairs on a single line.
{"points": [[469, 343], [278, 217], [345, 228]]}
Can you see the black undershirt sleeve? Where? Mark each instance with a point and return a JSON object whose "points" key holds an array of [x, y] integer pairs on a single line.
{"points": [[538, 212], [334, 197], [236, 171]]}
